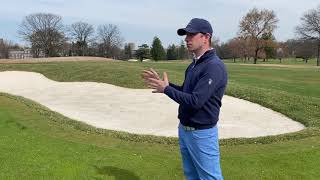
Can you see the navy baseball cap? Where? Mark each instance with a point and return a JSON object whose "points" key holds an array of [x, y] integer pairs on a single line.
{"points": [[196, 25]]}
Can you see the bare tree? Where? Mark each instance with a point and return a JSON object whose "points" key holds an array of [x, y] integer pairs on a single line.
{"points": [[44, 31], [110, 37], [255, 24], [310, 28], [234, 49], [282, 51], [215, 41], [300, 48], [2, 49], [5, 46], [81, 33], [240, 47], [306, 49]]}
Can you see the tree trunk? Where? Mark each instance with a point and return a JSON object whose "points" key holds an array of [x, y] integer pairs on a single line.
{"points": [[318, 58], [255, 56]]}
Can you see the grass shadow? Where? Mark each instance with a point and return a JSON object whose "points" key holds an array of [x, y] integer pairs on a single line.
{"points": [[119, 174]]}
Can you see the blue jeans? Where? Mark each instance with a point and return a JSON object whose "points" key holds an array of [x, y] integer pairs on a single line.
{"points": [[200, 153]]}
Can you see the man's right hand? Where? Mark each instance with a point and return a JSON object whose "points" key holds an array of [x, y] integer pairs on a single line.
{"points": [[150, 74]]}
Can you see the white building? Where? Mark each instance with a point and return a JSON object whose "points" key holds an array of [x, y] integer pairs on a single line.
{"points": [[21, 54]]}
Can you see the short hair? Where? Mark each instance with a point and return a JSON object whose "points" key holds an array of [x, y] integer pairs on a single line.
{"points": [[210, 38]]}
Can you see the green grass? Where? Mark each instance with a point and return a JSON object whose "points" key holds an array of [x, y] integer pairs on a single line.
{"points": [[36, 143], [284, 61]]}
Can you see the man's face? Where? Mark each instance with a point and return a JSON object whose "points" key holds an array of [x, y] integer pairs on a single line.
{"points": [[196, 41]]}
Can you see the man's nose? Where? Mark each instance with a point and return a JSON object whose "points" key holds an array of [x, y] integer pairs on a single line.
{"points": [[186, 39]]}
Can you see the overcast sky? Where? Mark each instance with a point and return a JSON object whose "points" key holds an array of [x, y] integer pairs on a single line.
{"points": [[140, 20]]}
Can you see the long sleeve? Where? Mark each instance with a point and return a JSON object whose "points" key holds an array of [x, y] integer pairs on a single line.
{"points": [[179, 88], [204, 89]]}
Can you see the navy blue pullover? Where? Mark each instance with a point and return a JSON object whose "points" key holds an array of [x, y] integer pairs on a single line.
{"points": [[199, 97]]}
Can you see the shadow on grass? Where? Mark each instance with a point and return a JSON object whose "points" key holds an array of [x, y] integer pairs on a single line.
{"points": [[119, 174]]}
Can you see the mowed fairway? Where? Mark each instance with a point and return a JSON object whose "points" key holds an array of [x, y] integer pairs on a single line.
{"points": [[36, 143]]}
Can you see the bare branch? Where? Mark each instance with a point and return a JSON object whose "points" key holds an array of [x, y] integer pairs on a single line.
{"points": [[44, 31], [255, 24]]}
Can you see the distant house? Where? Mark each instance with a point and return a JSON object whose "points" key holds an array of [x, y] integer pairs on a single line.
{"points": [[22, 54]]}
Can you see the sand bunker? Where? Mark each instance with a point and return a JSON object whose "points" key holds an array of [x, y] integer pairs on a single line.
{"points": [[138, 110]]}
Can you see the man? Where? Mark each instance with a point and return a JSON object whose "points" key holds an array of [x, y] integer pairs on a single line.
{"points": [[199, 100]]}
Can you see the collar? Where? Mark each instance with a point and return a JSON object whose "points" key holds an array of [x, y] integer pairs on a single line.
{"points": [[196, 59]]}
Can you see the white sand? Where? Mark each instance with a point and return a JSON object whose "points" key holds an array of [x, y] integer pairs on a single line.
{"points": [[138, 110]]}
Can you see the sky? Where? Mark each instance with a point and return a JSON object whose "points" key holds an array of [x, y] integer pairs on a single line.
{"points": [[140, 21]]}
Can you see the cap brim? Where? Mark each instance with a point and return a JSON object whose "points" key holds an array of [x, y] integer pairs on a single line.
{"points": [[184, 31]]}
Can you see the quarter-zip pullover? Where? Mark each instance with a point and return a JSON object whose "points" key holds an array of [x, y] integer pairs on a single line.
{"points": [[200, 96]]}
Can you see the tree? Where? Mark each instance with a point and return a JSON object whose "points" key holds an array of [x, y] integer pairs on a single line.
{"points": [[240, 47], [128, 51], [280, 54], [182, 51], [310, 28], [143, 52], [300, 48], [291, 44], [5, 46], [270, 45], [172, 53], [223, 51], [254, 25], [282, 51], [215, 41], [157, 50], [110, 40], [81, 33], [2, 49], [44, 31], [234, 47], [305, 49], [93, 49]]}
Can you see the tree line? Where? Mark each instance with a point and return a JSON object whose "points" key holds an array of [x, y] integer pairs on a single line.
{"points": [[46, 33], [255, 39]]}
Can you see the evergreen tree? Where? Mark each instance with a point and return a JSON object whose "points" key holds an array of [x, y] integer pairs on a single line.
{"points": [[127, 51], [157, 50], [143, 52], [172, 53], [270, 45], [182, 51]]}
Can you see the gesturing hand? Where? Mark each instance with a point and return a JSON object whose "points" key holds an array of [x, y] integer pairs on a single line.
{"points": [[150, 74], [153, 80]]}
